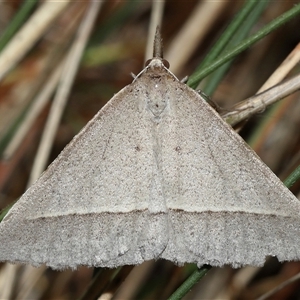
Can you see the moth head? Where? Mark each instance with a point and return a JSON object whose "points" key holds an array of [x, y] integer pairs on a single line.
{"points": [[157, 62]]}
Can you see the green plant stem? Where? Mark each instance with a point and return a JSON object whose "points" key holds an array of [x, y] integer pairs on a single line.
{"points": [[190, 282], [5, 210], [223, 41], [293, 177], [239, 35], [196, 77], [17, 22]]}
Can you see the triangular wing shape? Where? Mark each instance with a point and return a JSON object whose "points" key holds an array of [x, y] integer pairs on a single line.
{"points": [[91, 206], [155, 174], [225, 205]]}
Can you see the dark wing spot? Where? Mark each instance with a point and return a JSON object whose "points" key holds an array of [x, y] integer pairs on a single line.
{"points": [[178, 149]]}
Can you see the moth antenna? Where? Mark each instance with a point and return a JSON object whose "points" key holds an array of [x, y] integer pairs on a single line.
{"points": [[157, 45]]}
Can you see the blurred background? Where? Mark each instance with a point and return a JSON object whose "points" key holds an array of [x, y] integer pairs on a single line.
{"points": [[115, 47]]}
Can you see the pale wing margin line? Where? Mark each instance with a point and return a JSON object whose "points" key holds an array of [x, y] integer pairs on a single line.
{"points": [[144, 210]]}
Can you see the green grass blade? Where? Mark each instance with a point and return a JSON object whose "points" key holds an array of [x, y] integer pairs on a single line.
{"points": [[17, 22], [279, 21], [189, 283], [293, 177], [227, 34], [242, 32]]}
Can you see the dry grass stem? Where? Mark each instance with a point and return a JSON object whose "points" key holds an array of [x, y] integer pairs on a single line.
{"points": [[258, 103], [60, 99], [155, 20], [29, 34], [192, 33]]}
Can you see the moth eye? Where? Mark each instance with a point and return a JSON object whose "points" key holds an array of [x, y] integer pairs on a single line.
{"points": [[147, 62], [166, 63]]}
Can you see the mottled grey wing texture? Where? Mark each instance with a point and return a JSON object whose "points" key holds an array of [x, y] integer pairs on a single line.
{"points": [[93, 204], [225, 205], [156, 174]]}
